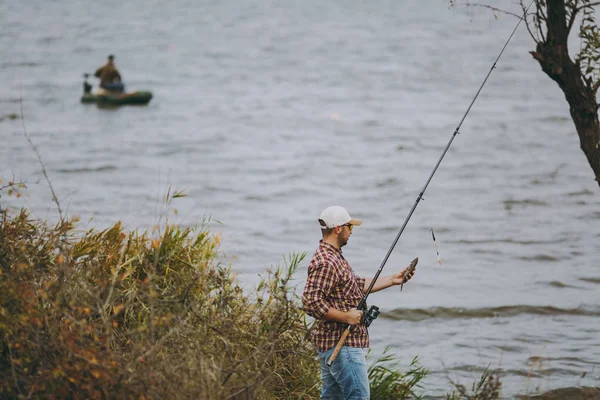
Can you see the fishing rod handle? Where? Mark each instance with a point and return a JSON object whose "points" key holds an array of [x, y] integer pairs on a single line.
{"points": [[339, 346]]}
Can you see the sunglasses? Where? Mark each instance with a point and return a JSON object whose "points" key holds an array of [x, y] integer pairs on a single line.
{"points": [[350, 226]]}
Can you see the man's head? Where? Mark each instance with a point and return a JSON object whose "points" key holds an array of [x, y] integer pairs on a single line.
{"points": [[111, 58], [336, 225]]}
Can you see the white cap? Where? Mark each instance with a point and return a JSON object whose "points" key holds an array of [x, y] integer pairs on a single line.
{"points": [[336, 216]]}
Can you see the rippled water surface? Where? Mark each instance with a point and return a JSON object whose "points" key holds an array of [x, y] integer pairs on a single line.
{"points": [[267, 112]]}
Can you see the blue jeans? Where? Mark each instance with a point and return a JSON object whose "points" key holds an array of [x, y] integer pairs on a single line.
{"points": [[347, 378]]}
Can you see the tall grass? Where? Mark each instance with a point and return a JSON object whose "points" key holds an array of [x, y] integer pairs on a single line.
{"points": [[487, 388], [387, 382]]}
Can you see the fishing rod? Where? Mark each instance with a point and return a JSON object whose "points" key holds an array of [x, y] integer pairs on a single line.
{"points": [[363, 301]]}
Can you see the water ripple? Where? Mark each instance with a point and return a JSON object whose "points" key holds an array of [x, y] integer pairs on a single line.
{"points": [[102, 168], [487, 312]]}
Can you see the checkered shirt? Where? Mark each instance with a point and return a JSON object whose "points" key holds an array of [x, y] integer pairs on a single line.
{"points": [[332, 283]]}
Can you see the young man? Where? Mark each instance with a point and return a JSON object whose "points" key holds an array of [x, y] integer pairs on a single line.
{"points": [[331, 295]]}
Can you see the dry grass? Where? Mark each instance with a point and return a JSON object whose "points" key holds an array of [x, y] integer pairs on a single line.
{"points": [[123, 315]]}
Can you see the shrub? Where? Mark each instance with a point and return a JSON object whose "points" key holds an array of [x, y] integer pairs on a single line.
{"points": [[123, 315]]}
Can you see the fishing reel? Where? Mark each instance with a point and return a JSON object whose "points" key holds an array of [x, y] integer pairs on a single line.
{"points": [[371, 315]]}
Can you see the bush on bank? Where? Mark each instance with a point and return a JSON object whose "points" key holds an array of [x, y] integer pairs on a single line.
{"points": [[114, 314]]}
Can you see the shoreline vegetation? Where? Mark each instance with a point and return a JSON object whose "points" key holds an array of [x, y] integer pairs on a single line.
{"points": [[126, 315]]}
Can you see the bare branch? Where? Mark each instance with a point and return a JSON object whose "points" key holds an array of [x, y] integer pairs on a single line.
{"points": [[54, 198], [577, 9], [537, 56], [527, 23], [496, 9], [540, 17], [574, 12]]}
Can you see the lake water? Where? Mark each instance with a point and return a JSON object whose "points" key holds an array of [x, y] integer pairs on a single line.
{"points": [[266, 112]]}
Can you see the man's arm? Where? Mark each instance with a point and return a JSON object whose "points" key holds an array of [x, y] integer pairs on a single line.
{"points": [[387, 281], [98, 72], [350, 317]]}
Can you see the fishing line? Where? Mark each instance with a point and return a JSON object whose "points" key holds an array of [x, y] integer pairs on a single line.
{"points": [[363, 301]]}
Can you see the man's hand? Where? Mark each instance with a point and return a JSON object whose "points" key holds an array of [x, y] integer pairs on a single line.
{"points": [[353, 317], [401, 277]]}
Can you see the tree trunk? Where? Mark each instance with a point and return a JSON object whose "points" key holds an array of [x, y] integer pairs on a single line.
{"points": [[553, 56]]}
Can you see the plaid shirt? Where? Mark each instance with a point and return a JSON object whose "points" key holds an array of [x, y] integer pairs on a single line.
{"points": [[332, 283]]}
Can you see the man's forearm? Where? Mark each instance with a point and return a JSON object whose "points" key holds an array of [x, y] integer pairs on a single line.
{"points": [[350, 317], [380, 284], [336, 315]]}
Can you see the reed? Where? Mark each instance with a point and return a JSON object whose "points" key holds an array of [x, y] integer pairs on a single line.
{"points": [[389, 383], [487, 388]]}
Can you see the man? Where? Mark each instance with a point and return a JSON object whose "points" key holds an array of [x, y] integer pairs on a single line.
{"points": [[110, 78], [331, 295]]}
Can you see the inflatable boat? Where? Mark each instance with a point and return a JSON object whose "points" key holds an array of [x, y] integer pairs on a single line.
{"points": [[115, 96], [139, 97]]}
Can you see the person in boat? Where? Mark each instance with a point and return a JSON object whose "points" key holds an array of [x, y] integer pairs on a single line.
{"points": [[110, 78], [331, 295]]}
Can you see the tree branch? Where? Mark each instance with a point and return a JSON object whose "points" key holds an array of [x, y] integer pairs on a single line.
{"points": [[54, 198], [574, 12], [577, 9], [496, 9], [527, 22], [539, 13]]}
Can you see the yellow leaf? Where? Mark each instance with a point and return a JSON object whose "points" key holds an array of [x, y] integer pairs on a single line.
{"points": [[60, 259], [118, 308], [155, 244], [96, 374]]}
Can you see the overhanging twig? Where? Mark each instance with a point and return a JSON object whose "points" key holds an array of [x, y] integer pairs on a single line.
{"points": [[39, 157]]}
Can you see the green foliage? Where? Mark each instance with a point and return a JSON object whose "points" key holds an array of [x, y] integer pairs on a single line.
{"points": [[488, 388], [588, 57], [388, 383]]}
